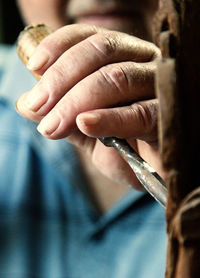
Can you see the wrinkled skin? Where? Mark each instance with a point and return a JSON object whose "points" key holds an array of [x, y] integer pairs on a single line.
{"points": [[96, 82]]}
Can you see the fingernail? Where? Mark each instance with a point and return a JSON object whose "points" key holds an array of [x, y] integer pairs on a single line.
{"points": [[49, 124], [88, 118], [38, 60], [36, 98]]}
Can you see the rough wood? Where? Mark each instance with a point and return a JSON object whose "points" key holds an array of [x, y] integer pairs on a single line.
{"points": [[179, 94]]}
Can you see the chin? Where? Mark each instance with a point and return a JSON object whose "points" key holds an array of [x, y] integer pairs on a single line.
{"points": [[121, 24]]}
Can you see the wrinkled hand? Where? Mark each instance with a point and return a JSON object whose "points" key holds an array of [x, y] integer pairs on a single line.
{"points": [[96, 83]]}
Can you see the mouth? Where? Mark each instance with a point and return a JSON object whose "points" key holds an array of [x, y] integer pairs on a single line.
{"points": [[84, 13], [97, 18], [108, 14]]}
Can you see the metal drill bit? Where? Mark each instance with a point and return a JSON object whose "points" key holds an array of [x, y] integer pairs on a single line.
{"points": [[152, 182]]}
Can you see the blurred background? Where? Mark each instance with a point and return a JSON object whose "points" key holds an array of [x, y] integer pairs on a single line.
{"points": [[10, 21]]}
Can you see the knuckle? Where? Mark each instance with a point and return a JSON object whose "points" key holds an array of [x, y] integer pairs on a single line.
{"points": [[53, 79], [104, 44], [121, 123], [116, 77], [61, 113], [145, 115]]}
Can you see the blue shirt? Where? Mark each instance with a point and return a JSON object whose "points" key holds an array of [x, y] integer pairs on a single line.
{"points": [[48, 225]]}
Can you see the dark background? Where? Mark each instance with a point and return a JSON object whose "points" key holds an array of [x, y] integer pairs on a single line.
{"points": [[10, 21]]}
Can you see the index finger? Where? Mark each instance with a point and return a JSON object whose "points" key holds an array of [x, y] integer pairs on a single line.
{"points": [[64, 38]]}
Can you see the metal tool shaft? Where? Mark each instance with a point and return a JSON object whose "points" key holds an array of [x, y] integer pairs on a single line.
{"points": [[148, 177]]}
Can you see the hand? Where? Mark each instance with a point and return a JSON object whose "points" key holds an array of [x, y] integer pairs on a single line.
{"points": [[95, 83]]}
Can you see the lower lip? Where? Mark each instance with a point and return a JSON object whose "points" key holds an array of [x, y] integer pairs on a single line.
{"points": [[99, 19]]}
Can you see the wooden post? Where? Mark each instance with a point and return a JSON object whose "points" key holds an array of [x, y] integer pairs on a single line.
{"points": [[178, 89]]}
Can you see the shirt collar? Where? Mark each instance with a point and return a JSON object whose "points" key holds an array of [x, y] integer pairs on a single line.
{"points": [[130, 199]]}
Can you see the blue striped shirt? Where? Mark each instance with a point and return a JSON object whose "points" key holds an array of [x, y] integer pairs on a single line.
{"points": [[48, 225]]}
